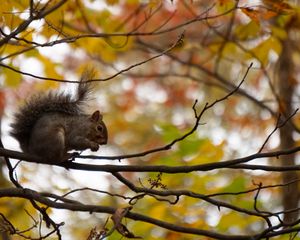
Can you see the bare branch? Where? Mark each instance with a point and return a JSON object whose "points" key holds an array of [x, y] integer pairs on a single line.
{"points": [[279, 124], [178, 41]]}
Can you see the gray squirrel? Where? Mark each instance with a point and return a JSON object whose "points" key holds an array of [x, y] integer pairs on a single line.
{"points": [[49, 125]]}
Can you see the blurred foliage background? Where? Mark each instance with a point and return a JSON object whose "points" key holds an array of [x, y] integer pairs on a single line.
{"points": [[149, 102]]}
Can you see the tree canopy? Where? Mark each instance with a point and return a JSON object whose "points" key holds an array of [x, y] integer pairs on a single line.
{"points": [[200, 99]]}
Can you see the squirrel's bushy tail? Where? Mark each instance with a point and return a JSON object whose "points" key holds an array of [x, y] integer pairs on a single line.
{"points": [[39, 104]]}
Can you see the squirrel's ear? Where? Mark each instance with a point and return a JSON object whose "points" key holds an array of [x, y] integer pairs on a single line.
{"points": [[96, 116]]}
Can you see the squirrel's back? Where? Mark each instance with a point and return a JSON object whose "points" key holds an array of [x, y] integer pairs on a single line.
{"points": [[41, 104]]}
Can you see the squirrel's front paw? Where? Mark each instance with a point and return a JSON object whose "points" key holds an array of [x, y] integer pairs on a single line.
{"points": [[94, 146], [73, 155]]}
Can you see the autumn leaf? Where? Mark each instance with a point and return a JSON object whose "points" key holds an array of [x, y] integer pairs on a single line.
{"points": [[199, 182], [280, 6], [258, 15]]}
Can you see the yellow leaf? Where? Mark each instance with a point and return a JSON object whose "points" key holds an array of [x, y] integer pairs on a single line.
{"points": [[12, 78], [262, 50], [112, 2], [49, 67], [96, 46], [208, 153], [27, 34], [158, 211], [250, 30], [224, 2], [279, 32], [229, 49], [154, 3], [46, 85], [10, 15]]}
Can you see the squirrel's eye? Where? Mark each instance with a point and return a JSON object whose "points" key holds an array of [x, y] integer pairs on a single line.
{"points": [[100, 128]]}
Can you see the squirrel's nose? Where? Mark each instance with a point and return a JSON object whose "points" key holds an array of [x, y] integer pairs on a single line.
{"points": [[103, 140]]}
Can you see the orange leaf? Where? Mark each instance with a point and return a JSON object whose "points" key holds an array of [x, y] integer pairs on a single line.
{"points": [[251, 13], [278, 5], [269, 14], [2, 102]]}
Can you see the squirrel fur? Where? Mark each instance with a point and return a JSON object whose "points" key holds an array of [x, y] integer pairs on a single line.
{"points": [[49, 125]]}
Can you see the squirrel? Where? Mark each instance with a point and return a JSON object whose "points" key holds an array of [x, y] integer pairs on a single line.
{"points": [[49, 125]]}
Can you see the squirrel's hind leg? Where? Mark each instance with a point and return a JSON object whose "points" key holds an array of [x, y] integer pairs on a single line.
{"points": [[48, 143]]}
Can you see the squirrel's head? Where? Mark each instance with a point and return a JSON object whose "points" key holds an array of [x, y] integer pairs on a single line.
{"points": [[99, 131]]}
